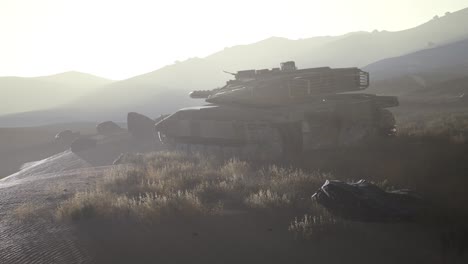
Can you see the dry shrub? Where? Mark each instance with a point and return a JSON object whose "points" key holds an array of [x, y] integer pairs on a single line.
{"points": [[144, 207], [124, 179], [294, 183], [174, 183], [86, 204]]}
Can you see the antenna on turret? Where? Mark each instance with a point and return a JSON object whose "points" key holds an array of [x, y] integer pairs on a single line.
{"points": [[230, 73]]}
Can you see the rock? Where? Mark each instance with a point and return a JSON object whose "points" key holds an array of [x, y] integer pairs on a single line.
{"points": [[140, 127], [108, 128], [66, 136], [82, 143], [364, 201]]}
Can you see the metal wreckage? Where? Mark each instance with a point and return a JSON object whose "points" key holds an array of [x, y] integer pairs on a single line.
{"points": [[273, 113]]}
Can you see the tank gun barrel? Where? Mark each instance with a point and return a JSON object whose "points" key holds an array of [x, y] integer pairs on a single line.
{"points": [[230, 73]]}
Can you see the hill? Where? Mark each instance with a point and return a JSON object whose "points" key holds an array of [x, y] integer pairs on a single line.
{"points": [[166, 90], [20, 94], [81, 80], [438, 72], [450, 60]]}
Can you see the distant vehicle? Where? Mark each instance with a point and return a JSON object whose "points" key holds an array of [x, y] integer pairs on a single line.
{"points": [[281, 111]]}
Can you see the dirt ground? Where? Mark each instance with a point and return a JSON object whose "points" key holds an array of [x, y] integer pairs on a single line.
{"points": [[432, 167]]}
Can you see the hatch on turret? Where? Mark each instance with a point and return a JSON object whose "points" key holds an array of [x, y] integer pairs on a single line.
{"points": [[245, 75]]}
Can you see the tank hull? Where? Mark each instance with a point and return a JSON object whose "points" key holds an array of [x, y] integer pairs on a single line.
{"points": [[273, 132]]}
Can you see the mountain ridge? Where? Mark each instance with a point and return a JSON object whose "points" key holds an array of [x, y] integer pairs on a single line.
{"points": [[166, 89]]}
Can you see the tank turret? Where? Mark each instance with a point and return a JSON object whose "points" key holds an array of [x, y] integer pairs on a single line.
{"points": [[285, 85]]}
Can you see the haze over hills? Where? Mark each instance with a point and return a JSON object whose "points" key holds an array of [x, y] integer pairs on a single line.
{"points": [[166, 90], [428, 60], [27, 94], [73, 79], [422, 70], [353, 49]]}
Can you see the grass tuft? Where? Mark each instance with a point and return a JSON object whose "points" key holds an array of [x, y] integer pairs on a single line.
{"points": [[318, 224]]}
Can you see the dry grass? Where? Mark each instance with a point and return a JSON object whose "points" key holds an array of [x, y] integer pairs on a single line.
{"points": [[159, 185], [452, 127], [145, 207], [316, 224], [171, 184], [28, 212], [267, 199]]}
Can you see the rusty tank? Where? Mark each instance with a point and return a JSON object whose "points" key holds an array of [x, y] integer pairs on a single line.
{"points": [[270, 113]]}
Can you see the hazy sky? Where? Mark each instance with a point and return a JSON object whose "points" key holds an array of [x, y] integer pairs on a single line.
{"points": [[121, 38]]}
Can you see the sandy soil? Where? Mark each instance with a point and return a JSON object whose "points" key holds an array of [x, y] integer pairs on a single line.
{"points": [[39, 239], [33, 236]]}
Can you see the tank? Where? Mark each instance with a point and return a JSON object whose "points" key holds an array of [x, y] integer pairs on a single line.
{"points": [[272, 113]]}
